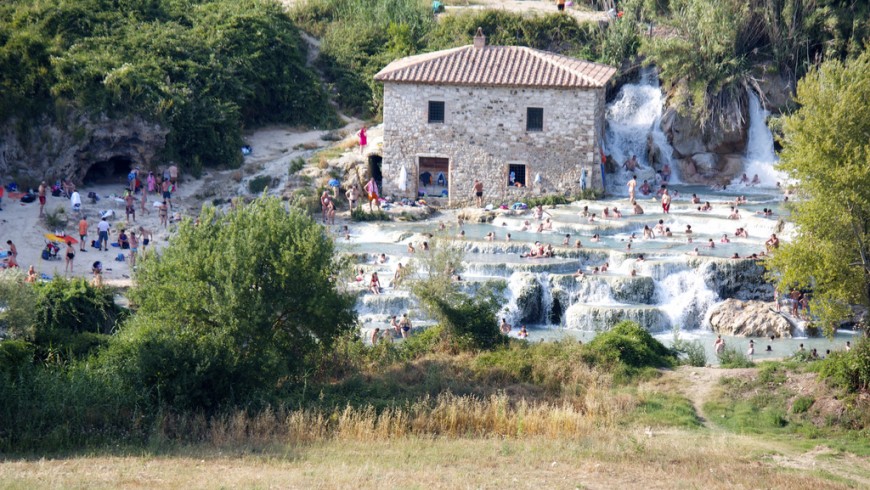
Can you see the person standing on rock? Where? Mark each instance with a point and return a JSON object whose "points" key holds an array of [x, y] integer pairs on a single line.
{"points": [[478, 192], [70, 255], [363, 140], [632, 184], [666, 173], [144, 202], [666, 202], [560, 5], [795, 297]]}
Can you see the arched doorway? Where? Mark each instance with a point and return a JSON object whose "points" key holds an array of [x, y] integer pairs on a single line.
{"points": [[375, 162]]}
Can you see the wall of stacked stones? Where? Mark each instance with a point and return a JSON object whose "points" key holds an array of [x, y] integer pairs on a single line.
{"points": [[484, 131]]}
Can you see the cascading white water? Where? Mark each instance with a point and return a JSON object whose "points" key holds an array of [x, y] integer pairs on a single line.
{"points": [[634, 128], [546, 297], [760, 156], [685, 298]]}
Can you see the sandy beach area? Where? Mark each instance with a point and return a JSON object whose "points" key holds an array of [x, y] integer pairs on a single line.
{"points": [[273, 149], [20, 222]]}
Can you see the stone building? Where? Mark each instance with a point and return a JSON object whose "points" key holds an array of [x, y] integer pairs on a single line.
{"points": [[522, 121]]}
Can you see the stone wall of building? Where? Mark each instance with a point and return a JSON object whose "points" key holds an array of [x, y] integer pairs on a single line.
{"points": [[484, 131]]}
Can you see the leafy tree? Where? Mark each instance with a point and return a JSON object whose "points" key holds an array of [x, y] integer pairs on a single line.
{"points": [[202, 68], [64, 319], [235, 307], [706, 63], [17, 303], [825, 149]]}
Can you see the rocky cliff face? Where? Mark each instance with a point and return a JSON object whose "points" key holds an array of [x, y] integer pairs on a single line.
{"points": [[68, 149], [715, 156], [704, 157]]}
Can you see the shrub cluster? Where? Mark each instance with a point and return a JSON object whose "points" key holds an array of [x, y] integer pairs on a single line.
{"points": [[202, 68], [360, 37]]}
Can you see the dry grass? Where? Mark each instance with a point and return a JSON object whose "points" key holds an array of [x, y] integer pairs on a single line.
{"points": [[606, 458], [446, 416]]}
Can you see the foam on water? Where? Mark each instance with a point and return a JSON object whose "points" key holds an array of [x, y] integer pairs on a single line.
{"points": [[685, 299]]}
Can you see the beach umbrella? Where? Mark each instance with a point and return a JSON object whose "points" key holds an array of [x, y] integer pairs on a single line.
{"points": [[61, 239]]}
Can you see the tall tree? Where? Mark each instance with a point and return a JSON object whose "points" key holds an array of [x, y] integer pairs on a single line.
{"points": [[826, 148], [234, 308]]}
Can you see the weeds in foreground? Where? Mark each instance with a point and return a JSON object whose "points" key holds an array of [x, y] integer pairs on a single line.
{"points": [[733, 358], [359, 214], [447, 415], [56, 220]]}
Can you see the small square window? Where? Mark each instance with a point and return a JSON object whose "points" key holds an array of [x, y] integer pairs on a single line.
{"points": [[534, 119], [436, 111], [516, 175]]}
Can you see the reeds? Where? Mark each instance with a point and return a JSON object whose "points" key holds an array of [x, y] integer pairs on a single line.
{"points": [[447, 415]]}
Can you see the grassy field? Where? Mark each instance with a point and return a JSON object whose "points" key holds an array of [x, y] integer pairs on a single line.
{"points": [[608, 458], [687, 428]]}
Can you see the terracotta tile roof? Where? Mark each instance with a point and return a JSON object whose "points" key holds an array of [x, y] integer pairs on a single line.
{"points": [[512, 66]]}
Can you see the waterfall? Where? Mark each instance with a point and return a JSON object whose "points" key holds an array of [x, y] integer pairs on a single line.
{"points": [[634, 128], [546, 297], [760, 156], [685, 298]]}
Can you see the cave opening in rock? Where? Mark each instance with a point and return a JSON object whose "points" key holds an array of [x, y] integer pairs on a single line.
{"points": [[111, 171]]}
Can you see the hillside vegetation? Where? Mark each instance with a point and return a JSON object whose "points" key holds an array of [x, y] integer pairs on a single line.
{"points": [[205, 69]]}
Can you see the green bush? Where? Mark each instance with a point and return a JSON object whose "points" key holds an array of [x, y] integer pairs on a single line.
{"points": [[631, 344], [296, 165], [695, 354], [802, 403], [232, 310], [360, 214], [15, 355], [59, 409], [849, 370], [55, 220], [733, 358], [258, 184], [360, 37], [469, 322], [18, 303], [201, 69]]}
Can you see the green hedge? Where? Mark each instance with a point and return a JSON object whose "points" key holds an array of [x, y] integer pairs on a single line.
{"points": [[202, 68]]}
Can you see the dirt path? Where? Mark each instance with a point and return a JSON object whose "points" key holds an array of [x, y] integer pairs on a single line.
{"points": [[699, 385]]}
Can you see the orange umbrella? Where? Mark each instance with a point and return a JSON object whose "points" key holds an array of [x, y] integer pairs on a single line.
{"points": [[63, 239]]}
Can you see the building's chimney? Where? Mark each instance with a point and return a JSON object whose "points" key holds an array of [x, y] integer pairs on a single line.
{"points": [[479, 39]]}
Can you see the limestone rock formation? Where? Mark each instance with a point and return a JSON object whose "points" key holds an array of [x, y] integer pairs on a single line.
{"points": [[527, 296], [72, 147], [704, 157], [749, 319], [740, 279]]}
